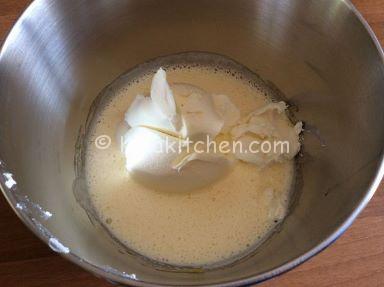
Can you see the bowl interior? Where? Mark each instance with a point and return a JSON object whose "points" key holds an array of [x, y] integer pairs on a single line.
{"points": [[61, 54]]}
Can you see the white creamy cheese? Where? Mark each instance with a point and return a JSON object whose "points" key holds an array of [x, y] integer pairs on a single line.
{"points": [[267, 125], [161, 125], [154, 146]]}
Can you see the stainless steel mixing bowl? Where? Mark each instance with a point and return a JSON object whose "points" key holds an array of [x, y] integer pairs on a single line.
{"points": [[320, 54]]}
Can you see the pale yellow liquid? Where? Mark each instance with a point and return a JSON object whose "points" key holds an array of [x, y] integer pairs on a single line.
{"points": [[215, 224]]}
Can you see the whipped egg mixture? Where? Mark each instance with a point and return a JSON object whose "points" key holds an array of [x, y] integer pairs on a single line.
{"points": [[188, 208]]}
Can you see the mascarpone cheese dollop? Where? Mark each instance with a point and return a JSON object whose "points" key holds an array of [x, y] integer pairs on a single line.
{"points": [[162, 127]]}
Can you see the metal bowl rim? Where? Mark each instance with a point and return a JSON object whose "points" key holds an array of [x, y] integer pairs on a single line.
{"points": [[115, 277]]}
